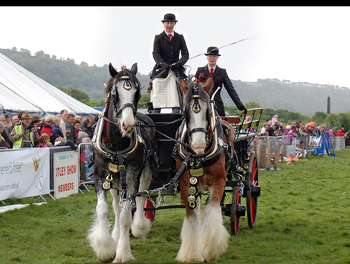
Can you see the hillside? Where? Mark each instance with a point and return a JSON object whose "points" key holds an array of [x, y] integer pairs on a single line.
{"points": [[301, 97]]}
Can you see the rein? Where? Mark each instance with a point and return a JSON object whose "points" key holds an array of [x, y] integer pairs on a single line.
{"points": [[164, 135]]}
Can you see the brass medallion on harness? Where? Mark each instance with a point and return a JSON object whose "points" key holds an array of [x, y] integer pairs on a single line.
{"points": [[107, 184], [192, 189]]}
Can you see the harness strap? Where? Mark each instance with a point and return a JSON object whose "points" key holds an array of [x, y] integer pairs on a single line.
{"points": [[200, 129], [174, 140], [122, 173], [182, 169], [125, 106]]}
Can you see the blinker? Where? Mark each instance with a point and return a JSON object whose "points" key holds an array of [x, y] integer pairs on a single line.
{"points": [[127, 84], [196, 106]]}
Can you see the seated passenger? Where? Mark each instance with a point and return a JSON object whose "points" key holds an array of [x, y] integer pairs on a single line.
{"points": [[220, 78]]}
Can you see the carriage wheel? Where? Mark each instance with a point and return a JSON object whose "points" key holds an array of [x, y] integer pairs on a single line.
{"points": [[237, 210], [254, 191], [150, 215]]}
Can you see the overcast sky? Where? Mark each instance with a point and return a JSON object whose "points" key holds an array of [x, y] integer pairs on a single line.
{"points": [[309, 44]]}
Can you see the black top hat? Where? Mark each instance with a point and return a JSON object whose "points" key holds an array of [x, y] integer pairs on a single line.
{"points": [[169, 18], [212, 51]]}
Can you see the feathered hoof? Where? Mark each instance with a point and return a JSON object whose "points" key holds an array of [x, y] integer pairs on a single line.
{"points": [[124, 259], [109, 260], [188, 259], [140, 229]]}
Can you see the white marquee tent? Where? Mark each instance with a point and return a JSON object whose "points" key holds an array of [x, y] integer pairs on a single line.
{"points": [[22, 90]]}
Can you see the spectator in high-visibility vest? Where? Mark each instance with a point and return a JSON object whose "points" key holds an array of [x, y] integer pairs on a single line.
{"points": [[24, 133]]}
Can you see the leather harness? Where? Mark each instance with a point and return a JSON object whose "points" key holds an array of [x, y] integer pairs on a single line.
{"points": [[196, 163], [117, 159]]}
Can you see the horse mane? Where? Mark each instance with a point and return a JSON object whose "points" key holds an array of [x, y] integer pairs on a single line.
{"points": [[133, 79]]}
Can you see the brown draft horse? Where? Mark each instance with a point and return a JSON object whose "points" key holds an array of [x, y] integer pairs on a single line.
{"points": [[204, 159]]}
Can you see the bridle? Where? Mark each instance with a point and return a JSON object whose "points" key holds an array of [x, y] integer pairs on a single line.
{"points": [[196, 108], [127, 86], [213, 123]]}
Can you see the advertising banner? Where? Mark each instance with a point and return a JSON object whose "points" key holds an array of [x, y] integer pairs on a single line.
{"points": [[24, 173], [66, 174]]}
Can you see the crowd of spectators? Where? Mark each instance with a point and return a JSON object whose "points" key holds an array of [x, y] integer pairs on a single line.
{"points": [[22, 130], [273, 127]]}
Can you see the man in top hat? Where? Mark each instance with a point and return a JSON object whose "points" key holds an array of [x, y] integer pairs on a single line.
{"points": [[167, 47], [220, 78], [24, 133]]}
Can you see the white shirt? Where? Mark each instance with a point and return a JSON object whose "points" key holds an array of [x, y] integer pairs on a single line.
{"points": [[212, 67], [167, 33]]}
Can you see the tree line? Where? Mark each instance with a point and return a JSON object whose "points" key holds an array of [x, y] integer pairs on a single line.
{"points": [[292, 101], [288, 117]]}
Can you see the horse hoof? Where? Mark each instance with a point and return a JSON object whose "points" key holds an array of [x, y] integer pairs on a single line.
{"points": [[107, 260]]}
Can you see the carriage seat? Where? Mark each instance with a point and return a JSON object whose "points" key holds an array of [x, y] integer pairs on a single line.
{"points": [[231, 119]]}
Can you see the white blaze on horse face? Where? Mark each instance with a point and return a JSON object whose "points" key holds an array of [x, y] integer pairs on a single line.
{"points": [[127, 120], [198, 120]]}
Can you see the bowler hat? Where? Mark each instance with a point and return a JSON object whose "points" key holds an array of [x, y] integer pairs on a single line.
{"points": [[212, 51], [25, 115], [169, 18]]}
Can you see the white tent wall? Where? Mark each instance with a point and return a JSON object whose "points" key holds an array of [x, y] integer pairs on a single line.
{"points": [[14, 103], [22, 90]]}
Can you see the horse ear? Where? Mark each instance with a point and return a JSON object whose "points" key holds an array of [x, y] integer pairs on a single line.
{"points": [[112, 71], [134, 68], [208, 85], [183, 85]]}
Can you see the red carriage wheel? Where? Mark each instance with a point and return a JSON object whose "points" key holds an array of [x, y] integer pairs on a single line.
{"points": [[237, 210], [253, 192], [151, 214]]}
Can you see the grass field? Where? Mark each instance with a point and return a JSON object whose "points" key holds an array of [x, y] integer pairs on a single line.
{"points": [[303, 217]]}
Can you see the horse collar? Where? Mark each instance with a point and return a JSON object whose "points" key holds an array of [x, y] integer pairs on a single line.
{"points": [[107, 154]]}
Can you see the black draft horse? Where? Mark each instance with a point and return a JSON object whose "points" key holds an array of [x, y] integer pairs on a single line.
{"points": [[124, 159]]}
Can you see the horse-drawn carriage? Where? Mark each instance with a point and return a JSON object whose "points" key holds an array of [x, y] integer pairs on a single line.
{"points": [[134, 161], [242, 180]]}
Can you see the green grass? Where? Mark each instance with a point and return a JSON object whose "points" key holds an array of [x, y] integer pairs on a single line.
{"points": [[303, 217]]}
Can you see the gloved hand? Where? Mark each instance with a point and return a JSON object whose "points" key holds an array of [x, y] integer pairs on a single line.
{"points": [[243, 109], [164, 65], [176, 66]]}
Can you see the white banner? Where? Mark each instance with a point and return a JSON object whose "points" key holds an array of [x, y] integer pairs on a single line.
{"points": [[66, 174], [24, 173]]}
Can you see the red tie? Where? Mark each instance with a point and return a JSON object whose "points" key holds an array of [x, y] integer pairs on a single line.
{"points": [[211, 71], [169, 36]]}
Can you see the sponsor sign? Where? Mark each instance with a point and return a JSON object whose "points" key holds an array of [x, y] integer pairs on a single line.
{"points": [[24, 173], [66, 173]]}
